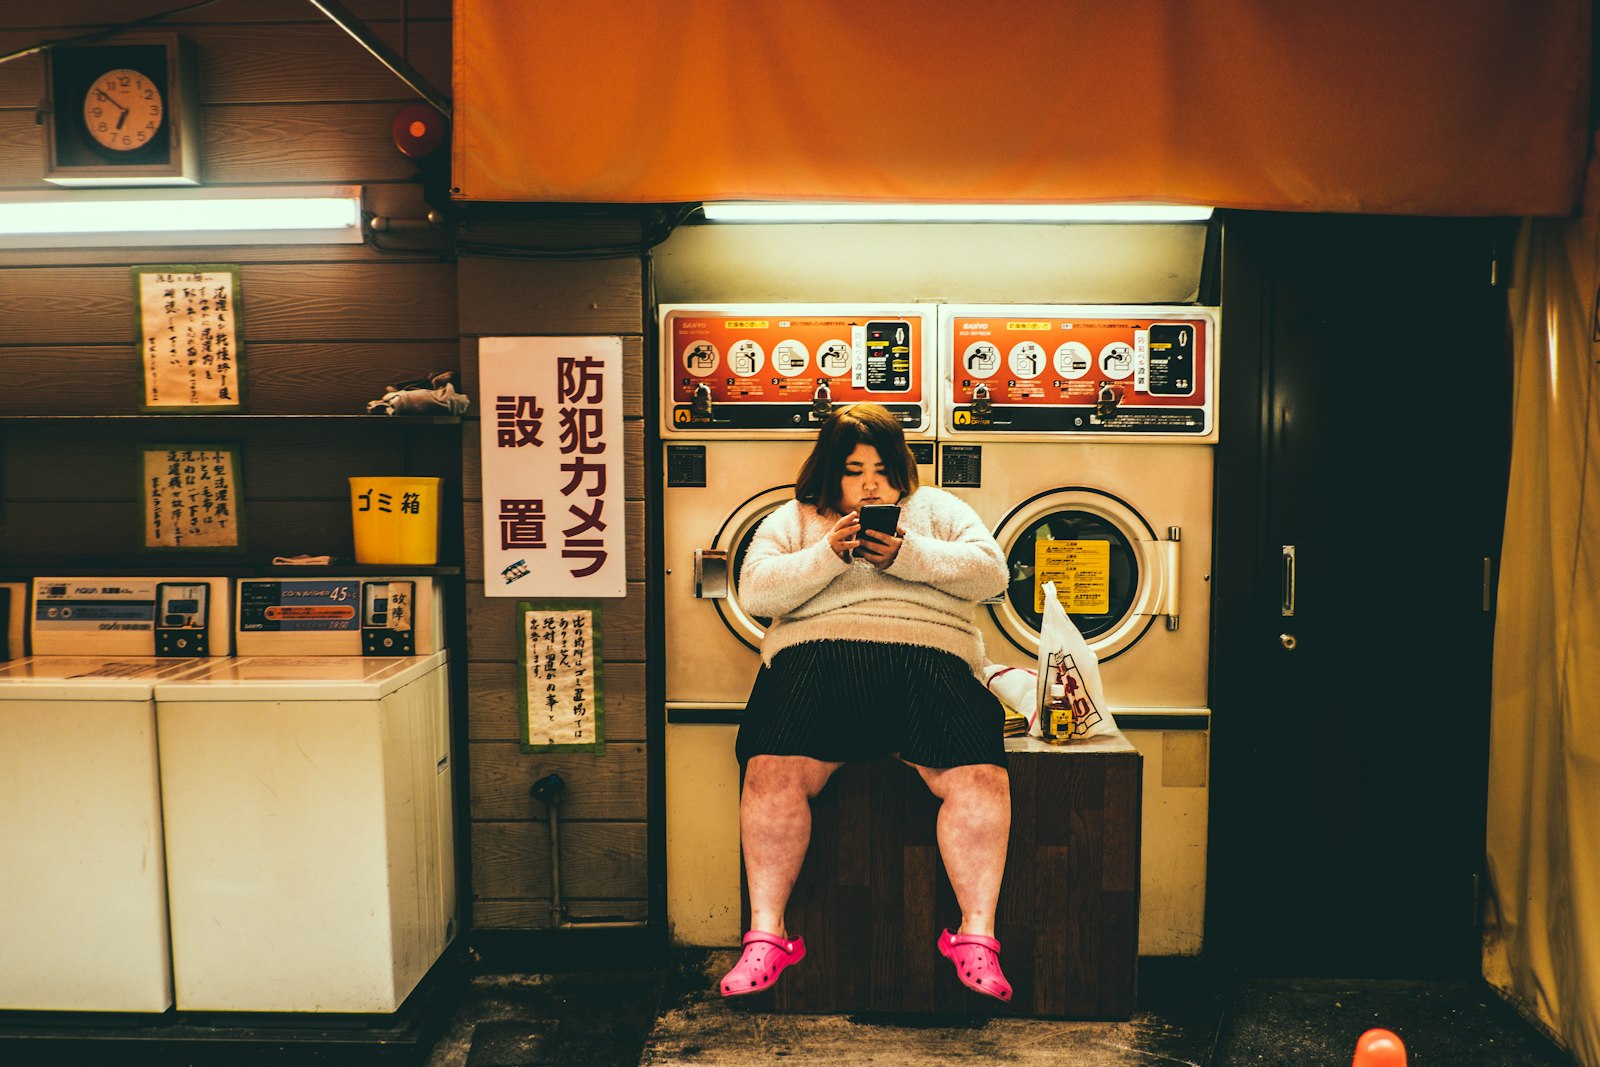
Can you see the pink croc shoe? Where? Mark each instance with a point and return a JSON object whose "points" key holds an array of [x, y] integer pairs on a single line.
{"points": [[977, 960], [765, 957]]}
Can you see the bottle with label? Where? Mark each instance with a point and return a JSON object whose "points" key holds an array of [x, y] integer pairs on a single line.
{"points": [[1058, 717]]}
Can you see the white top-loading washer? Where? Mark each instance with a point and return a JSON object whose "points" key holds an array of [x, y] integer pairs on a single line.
{"points": [[83, 880], [309, 815]]}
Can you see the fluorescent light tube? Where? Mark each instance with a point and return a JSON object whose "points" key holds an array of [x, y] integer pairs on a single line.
{"points": [[325, 214], [752, 211]]}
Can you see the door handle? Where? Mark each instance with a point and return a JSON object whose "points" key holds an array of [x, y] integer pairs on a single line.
{"points": [[1288, 580], [1169, 601], [710, 574]]}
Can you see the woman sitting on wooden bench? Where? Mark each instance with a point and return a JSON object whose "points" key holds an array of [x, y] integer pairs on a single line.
{"points": [[872, 650]]}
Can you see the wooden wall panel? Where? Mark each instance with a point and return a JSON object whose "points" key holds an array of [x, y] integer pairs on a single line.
{"points": [[549, 296], [281, 377], [492, 625], [76, 459], [87, 532], [312, 62], [354, 302], [553, 296], [286, 97], [599, 860], [493, 713], [281, 143], [87, 461], [62, 17], [597, 787], [294, 142], [36, 533], [534, 914]]}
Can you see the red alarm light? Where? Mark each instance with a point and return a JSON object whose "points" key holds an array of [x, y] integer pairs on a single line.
{"points": [[418, 130]]}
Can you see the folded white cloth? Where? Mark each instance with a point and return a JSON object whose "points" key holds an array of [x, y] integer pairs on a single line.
{"points": [[1015, 686]]}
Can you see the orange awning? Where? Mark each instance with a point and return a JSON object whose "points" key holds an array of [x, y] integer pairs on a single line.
{"points": [[1377, 106]]}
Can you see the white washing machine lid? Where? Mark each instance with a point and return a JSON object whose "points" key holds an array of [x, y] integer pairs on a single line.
{"points": [[298, 678], [90, 677]]}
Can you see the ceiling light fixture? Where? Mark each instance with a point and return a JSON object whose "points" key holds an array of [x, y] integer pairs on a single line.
{"points": [[243, 215], [791, 211]]}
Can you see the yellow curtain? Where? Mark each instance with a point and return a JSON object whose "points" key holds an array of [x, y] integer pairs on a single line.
{"points": [[1542, 938], [1421, 107]]}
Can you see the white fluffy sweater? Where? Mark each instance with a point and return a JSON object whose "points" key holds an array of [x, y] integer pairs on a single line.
{"points": [[947, 564]]}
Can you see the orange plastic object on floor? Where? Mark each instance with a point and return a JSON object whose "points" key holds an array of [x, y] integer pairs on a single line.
{"points": [[1379, 1048]]}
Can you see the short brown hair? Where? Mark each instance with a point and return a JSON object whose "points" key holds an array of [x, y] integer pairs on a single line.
{"points": [[858, 424]]}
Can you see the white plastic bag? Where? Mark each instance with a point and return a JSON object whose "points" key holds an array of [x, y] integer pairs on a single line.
{"points": [[1066, 657], [1014, 686]]}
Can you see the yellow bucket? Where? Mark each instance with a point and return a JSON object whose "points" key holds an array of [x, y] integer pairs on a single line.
{"points": [[396, 520]]}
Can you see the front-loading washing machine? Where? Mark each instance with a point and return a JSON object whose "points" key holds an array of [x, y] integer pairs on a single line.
{"points": [[308, 803], [743, 391], [1084, 437], [84, 924]]}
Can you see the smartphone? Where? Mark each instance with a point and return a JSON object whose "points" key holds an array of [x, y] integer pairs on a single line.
{"points": [[884, 518]]}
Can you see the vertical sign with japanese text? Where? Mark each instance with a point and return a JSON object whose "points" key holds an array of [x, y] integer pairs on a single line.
{"points": [[191, 497], [558, 656], [189, 337], [552, 439]]}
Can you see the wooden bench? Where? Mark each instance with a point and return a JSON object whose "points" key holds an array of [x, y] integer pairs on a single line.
{"points": [[873, 896]]}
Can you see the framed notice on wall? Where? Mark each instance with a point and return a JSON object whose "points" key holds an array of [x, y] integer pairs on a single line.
{"points": [[189, 348], [190, 494], [558, 664]]}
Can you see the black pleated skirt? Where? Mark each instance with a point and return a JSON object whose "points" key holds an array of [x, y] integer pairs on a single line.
{"points": [[843, 701]]}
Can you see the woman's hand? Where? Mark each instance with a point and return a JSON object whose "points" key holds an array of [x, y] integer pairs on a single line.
{"points": [[879, 549], [842, 538]]}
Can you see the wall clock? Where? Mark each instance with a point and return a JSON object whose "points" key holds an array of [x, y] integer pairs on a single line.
{"points": [[122, 113]]}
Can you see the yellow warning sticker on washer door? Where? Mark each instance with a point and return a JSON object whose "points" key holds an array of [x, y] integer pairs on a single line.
{"points": [[1081, 571]]}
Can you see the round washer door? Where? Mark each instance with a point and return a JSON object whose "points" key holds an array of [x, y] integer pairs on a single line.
{"points": [[734, 538], [1126, 592]]}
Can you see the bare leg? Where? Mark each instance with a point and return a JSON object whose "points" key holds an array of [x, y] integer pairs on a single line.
{"points": [[974, 822], [775, 829]]}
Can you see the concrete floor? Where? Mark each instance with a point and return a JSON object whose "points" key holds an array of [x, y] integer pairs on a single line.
{"points": [[666, 1013], [672, 1017]]}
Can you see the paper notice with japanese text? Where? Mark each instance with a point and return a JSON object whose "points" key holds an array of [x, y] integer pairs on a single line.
{"points": [[558, 656], [189, 336], [191, 497]]}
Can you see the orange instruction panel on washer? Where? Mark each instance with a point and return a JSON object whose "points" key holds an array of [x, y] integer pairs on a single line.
{"points": [[1104, 373], [775, 370]]}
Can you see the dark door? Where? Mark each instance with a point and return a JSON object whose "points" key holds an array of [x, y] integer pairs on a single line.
{"points": [[1365, 425]]}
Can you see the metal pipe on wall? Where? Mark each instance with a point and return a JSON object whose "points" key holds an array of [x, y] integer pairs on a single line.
{"points": [[550, 790]]}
